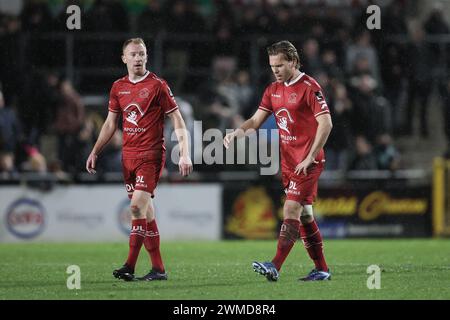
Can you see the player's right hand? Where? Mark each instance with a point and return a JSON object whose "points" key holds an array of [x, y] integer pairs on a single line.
{"points": [[90, 163], [228, 139], [185, 166]]}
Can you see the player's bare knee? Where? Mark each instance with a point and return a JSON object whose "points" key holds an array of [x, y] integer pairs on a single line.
{"points": [[135, 211], [307, 215], [291, 210]]}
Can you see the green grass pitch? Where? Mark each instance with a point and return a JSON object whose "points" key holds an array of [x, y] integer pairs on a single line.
{"points": [[411, 269]]}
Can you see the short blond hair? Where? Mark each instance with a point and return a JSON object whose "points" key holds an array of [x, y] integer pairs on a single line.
{"points": [[134, 41]]}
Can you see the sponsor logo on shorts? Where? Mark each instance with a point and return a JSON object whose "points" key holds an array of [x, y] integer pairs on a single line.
{"points": [[129, 187], [140, 182], [292, 189]]}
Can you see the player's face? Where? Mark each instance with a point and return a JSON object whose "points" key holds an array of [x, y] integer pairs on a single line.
{"points": [[281, 68], [135, 57]]}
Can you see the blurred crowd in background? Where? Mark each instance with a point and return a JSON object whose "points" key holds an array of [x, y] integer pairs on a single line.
{"points": [[377, 82]]}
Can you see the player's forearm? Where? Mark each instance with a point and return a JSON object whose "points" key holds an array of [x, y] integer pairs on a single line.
{"points": [[182, 135], [249, 124], [105, 135], [323, 131]]}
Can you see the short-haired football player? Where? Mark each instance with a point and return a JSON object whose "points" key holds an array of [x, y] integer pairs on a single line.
{"points": [[143, 100], [304, 124]]}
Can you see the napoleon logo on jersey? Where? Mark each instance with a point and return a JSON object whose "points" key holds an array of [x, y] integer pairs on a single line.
{"points": [[132, 117], [134, 112], [283, 116]]}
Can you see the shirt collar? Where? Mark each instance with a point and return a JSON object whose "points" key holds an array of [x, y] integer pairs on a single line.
{"points": [[287, 84], [139, 79]]}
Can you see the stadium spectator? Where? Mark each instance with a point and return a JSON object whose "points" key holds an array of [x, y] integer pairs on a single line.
{"points": [[37, 105], [183, 17], [436, 23], [339, 142], [394, 19], [245, 93], [70, 116], [34, 160], [11, 58], [224, 31], [107, 16], [445, 95], [393, 72], [10, 135], [89, 131], [372, 112], [311, 61], [285, 24], [36, 18], [388, 158], [363, 157], [361, 49], [302, 141], [420, 75], [222, 95], [248, 24], [143, 99], [103, 16], [151, 19], [330, 65]]}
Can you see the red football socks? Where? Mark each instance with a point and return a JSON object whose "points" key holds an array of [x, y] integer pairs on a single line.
{"points": [[137, 236], [151, 243], [286, 240], [312, 240]]}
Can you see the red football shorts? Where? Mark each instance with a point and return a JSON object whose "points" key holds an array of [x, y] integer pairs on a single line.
{"points": [[301, 188], [142, 172]]}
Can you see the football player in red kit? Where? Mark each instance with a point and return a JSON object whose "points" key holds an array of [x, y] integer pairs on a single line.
{"points": [[304, 124], [143, 100]]}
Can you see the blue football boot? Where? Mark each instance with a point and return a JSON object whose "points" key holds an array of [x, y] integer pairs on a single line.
{"points": [[316, 275], [266, 269]]}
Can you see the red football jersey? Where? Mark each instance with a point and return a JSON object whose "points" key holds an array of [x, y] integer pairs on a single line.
{"points": [[295, 107], [143, 104]]}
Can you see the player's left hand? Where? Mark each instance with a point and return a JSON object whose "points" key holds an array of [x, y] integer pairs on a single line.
{"points": [[304, 165], [185, 165]]}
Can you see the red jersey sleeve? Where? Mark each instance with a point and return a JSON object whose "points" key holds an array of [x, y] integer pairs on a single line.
{"points": [[166, 99], [113, 104], [266, 101], [317, 102]]}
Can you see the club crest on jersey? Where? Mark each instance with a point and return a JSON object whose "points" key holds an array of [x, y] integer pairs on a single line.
{"points": [[283, 116], [133, 113], [292, 98], [144, 93]]}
